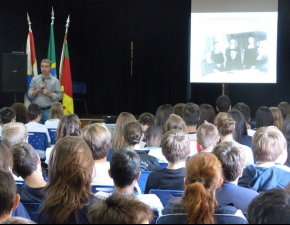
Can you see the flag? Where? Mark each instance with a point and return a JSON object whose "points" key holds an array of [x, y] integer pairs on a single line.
{"points": [[65, 77], [31, 61], [51, 51]]}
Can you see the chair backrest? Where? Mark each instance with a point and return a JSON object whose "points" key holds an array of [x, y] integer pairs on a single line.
{"points": [[143, 179], [52, 134], [79, 88], [32, 210], [38, 140], [163, 165], [166, 195], [230, 219], [104, 188]]}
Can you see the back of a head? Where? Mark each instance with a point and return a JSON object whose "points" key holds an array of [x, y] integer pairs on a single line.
{"points": [[278, 119], [264, 117], [175, 146], [240, 126], [33, 111], [175, 122], [69, 125], [147, 118], [24, 159], [244, 109], [70, 175], [154, 132], [190, 114], [124, 166], [270, 207], [122, 119], [285, 108], [203, 176], [120, 209], [162, 114], [14, 133], [225, 123], [20, 111], [207, 135], [286, 133], [177, 109], [232, 158], [223, 103], [98, 138], [56, 111], [7, 192], [6, 159], [7, 114], [132, 133], [268, 144], [206, 112], [17, 220]]}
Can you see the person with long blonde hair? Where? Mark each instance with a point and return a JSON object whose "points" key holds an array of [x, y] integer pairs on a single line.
{"points": [[277, 117]]}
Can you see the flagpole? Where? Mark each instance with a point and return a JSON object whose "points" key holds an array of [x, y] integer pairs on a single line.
{"points": [[63, 47]]}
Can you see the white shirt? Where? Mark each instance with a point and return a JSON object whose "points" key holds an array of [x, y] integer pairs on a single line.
{"points": [[100, 174], [37, 127], [52, 123], [157, 153], [47, 154], [249, 158], [251, 132]]}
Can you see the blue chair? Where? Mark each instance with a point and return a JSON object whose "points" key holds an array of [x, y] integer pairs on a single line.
{"points": [[79, 90], [39, 142], [52, 134], [163, 165], [32, 210], [143, 179], [166, 195], [103, 188], [46, 175]]}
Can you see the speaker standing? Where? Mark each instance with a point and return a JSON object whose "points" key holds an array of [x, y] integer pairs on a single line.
{"points": [[45, 90]]}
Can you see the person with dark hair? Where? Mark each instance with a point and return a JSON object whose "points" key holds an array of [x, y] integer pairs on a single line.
{"points": [[177, 109], [246, 111], [7, 115], [132, 133], [190, 115], [125, 171], [217, 56], [21, 112], [206, 112], [120, 209], [45, 90], [146, 119], [286, 133], [233, 62], [27, 164], [67, 195], [8, 196], [203, 176], [34, 115], [270, 151], [153, 135], [98, 138], [232, 46], [69, 125], [162, 114], [270, 207], [175, 122], [176, 148], [223, 103], [263, 118], [285, 108], [232, 158], [241, 131]]}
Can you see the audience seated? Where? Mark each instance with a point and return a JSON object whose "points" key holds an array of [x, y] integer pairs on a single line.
{"points": [[8, 196], [226, 127], [223, 103], [68, 193], [69, 125], [278, 119], [270, 207], [232, 158], [286, 133], [270, 151], [175, 147], [21, 112], [132, 134], [162, 114], [56, 113], [190, 115], [125, 171], [34, 115], [263, 118], [17, 220], [98, 138], [285, 108], [118, 141], [7, 115], [146, 119], [177, 109], [207, 136], [27, 164], [153, 135], [203, 176], [120, 209], [206, 112]]}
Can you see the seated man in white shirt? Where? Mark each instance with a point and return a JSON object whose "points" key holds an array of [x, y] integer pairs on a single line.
{"points": [[125, 171]]}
